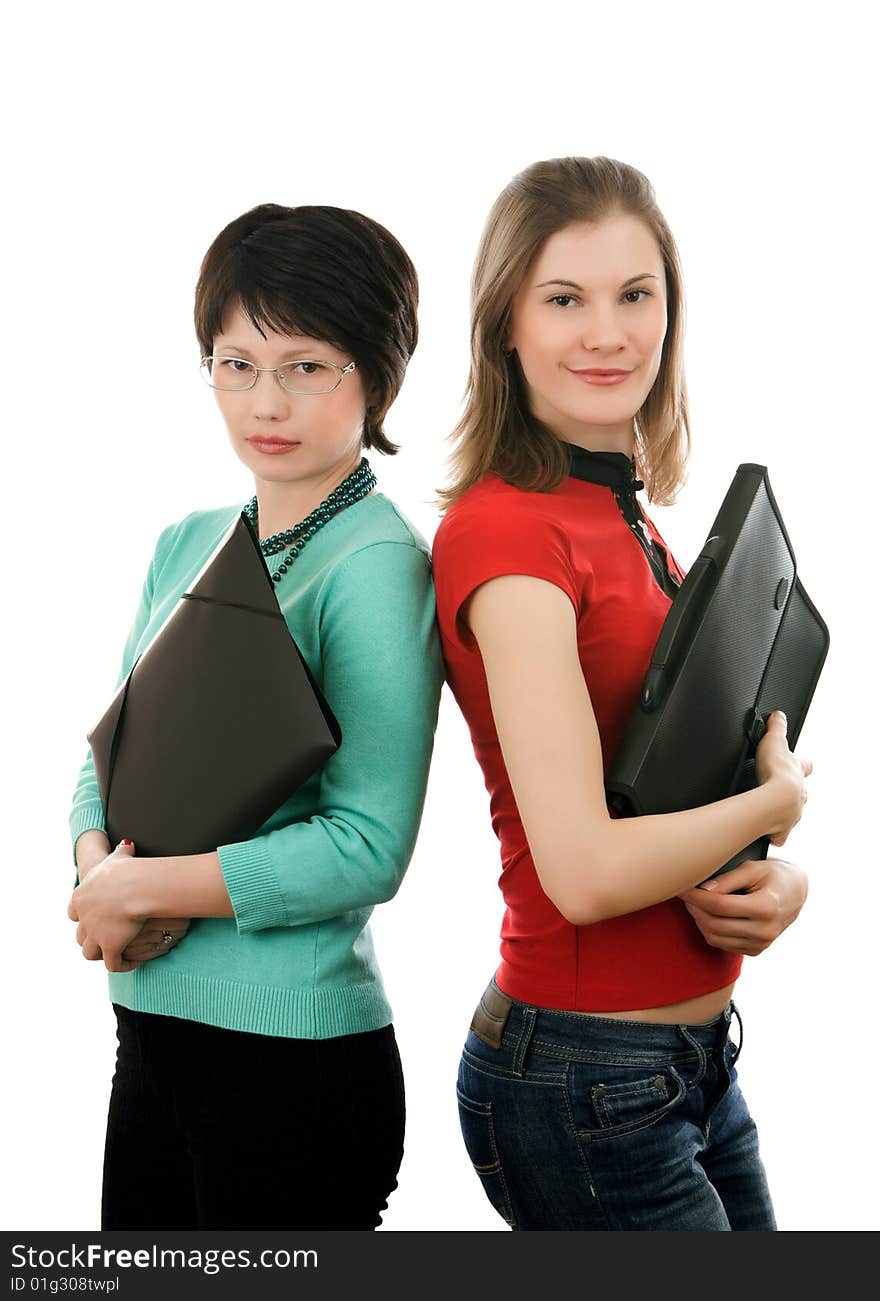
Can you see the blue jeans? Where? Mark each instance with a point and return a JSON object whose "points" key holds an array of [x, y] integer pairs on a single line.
{"points": [[584, 1122]]}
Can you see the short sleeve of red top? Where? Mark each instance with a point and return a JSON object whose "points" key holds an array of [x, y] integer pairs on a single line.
{"points": [[576, 538]]}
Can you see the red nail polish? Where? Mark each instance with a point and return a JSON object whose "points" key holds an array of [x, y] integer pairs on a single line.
{"points": [[128, 842]]}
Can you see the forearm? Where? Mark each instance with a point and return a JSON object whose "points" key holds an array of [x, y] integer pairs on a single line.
{"points": [[637, 862], [591, 865], [91, 847], [87, 812], [311, 871], [186, 885]]}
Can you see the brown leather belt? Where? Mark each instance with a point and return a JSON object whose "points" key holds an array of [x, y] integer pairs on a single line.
{"points": [[491, 1015]]}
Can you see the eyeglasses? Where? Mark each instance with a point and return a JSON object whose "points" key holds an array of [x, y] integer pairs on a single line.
{"points": [[306, 377]]}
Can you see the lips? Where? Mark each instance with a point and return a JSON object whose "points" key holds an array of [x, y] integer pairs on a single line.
{"points": [[602, 378], [271, 445]]}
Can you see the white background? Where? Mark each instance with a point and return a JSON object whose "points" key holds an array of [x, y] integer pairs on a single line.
{"points": [[131, 136]]}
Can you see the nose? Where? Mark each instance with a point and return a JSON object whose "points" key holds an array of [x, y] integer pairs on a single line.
{"points": [[269, 398], [603, 331]]}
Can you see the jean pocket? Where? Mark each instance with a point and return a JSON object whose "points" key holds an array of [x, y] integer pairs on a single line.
{"points": [[478, 1131], [622, 1104]]}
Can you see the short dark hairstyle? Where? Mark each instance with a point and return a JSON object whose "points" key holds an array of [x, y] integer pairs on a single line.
{"points": [[330, 273]]}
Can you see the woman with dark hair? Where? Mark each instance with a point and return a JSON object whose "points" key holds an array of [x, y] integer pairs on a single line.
{"points": [[258, 1082], [597, 1087]]}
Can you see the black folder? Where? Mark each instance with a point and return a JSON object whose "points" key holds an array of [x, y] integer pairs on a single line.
{"points": [[219, 720], [741, 639]]}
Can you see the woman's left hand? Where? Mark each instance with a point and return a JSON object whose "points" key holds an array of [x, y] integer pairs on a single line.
{"points": [[152, 940], [103, 904], [748, 923]]}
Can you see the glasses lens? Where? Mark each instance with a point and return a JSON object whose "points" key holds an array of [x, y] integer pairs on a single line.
{"points": [[228, 372], [309, 376]]}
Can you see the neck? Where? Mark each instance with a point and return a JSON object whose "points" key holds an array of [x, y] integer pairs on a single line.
{"points": [[597, 442], [599, 438], [618, 436], [281, 505]]}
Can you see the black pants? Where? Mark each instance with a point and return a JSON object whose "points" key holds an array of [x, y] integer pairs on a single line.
{"points": [[222, 1129]]}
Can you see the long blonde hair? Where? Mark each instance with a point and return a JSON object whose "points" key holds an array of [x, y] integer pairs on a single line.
{"points": [[497, 431]]}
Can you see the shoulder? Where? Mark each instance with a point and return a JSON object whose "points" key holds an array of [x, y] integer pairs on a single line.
{"points": [[199, 523], [187, 539], [493, 504], [379, 520], [493, 516], [377, 551], [376, 593], [495, 529]]}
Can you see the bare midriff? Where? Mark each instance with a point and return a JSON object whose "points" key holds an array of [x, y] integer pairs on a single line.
{"points": [[692, 1011]]}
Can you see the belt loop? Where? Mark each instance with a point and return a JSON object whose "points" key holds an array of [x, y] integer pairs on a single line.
{"points": [[530, 1015], [700, 1051], [735, 1012]]}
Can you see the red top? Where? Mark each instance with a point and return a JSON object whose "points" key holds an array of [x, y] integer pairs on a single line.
{"points": [[577, 538]]}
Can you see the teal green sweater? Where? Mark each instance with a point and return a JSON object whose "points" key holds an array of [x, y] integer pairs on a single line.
{"points": [[298, 959]]}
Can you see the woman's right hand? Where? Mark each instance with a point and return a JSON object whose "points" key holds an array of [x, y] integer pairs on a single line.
{"points": [[784, 773]]}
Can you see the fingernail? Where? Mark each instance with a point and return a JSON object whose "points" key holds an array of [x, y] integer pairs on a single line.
{"points": [[709, 885], [127, 842]]}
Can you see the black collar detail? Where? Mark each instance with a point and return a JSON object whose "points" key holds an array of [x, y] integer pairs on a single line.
{"points": [[610, 469], [617, 471]]}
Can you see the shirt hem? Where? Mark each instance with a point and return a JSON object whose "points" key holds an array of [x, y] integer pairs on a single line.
{"points": [[616, 1000], [260, 1009]]}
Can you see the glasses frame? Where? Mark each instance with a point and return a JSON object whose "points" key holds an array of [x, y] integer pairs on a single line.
{"points": [[342, 371]]}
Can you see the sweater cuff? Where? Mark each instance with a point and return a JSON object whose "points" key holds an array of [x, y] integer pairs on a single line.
{"points": [[86, 817], [253, 888]]}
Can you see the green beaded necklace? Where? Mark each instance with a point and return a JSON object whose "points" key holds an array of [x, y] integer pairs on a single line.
{"points": [[360, 482]]}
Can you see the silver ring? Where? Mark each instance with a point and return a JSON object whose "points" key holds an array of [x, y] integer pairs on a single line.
{"points": [[167, 938]]}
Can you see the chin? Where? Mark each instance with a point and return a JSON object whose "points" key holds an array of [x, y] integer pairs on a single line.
{"points": [[272, 475], [597, 416], [269, 467]]}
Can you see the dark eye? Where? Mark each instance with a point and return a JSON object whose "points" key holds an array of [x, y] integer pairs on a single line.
{"points": [[562, 300], [306, 367], [629, 299], [234, 364]]}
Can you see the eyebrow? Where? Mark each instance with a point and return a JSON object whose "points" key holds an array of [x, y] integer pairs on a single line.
{"points": [[571, 284], [243, 353]]}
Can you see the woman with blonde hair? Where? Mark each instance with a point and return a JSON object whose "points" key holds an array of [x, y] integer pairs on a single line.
{"points": [[597, 1087]]}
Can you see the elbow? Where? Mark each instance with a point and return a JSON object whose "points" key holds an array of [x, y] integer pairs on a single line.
{"points": [[580, 910], [572, 889], [387, 869], [388, 886]]}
